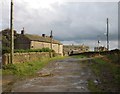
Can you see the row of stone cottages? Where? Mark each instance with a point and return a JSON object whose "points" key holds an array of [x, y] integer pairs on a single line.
{"points": [[29, 41]]}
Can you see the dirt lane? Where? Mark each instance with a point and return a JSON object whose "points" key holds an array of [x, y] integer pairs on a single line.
{"points": [[69, 75]]}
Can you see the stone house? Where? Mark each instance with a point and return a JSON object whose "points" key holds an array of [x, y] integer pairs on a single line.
{"points": [[101, 48], [29, 41], [67, 49]]}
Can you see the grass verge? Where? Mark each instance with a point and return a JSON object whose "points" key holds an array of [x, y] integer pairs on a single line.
{"points": [[28, 68], [108, 73]]}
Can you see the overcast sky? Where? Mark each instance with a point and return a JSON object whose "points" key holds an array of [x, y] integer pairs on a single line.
{"points": [[72, 22]]}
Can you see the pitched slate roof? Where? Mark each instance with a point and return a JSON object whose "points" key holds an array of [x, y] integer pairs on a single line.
{"points": [[40, 38]]}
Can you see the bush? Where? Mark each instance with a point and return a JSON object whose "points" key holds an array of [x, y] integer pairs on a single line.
{"points": [[34, 50], [5, 50]]}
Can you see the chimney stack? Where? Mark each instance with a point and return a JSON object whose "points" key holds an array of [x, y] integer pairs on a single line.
{"points": [[51, 34], [22, 31]]}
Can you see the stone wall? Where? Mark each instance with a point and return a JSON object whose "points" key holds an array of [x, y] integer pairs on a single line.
{"points": [[25, 57]]}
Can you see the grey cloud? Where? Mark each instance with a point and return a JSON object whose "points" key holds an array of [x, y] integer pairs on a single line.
{"points": [[69, 21]]}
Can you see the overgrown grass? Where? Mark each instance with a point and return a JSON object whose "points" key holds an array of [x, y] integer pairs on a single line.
{"points": [[28, 68], [114, 58], [93, 87], [98, 66], [109, 74]]}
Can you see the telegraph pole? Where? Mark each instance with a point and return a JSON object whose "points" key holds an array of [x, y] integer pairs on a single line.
{"points": [[107, 34], [51, 36], [12, 34]]}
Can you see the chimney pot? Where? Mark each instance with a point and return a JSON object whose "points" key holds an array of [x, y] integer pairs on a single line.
{"points": [[43, 35]]}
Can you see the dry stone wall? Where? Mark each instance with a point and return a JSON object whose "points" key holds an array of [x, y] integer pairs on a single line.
{"points": [[25, 57]]}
